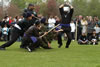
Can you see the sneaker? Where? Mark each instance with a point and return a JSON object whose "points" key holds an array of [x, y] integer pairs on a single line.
{"points": [[28, 49], [1, 48]]}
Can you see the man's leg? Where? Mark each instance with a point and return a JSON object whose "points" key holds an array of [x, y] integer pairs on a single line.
{"points": [[59, 39], [69, 39], [24, 42], [14, 37], [28, 44]]}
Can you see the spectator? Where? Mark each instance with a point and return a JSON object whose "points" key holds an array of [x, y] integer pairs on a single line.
{"points": [[51, 22], [84, 25], [10, 20], [79, 26], [83, 39], [97, 29], [21, 18], [90, 27], [5, 21], [72, 24], [17, 19], [5, 31], [94, 39]]}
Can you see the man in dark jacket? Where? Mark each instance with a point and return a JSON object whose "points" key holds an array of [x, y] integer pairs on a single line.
{"points": [[30, 9], [66, 11], [18, 30], [32, 38], [83, 39]]}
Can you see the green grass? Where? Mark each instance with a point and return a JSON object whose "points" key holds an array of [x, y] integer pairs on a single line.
{"points": [[75, 56]]}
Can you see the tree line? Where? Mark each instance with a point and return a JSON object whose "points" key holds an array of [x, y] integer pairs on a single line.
{"points": [[81, 7]]}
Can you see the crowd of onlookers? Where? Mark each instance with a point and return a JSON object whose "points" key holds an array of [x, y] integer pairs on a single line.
{"points": [[89, 27], [6, 26], [83, 29]]}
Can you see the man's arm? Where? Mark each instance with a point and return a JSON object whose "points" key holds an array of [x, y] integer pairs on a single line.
{"points": [[61, 9], [70, 6], [71, 10], [61, 6]]}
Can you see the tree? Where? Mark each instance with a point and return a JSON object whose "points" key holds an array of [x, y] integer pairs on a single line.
{"points": [[19, 3], [52, 8], [43, 9], [94, 7], [82, 7]]}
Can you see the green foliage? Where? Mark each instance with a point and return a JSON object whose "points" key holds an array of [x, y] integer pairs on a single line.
{"points": [[43, 9], [82, 7], [19, 3], [94, 8], [24, 3], [52, 8]]}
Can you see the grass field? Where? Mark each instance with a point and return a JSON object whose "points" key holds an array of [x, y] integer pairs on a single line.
{"points": [[75, 56]]}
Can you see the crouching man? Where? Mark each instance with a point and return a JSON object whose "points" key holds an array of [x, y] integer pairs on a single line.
{"points": [[32, 39], [83, 39]]}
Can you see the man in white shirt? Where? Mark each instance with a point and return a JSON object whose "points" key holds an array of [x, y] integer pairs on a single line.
{"points": [[51, 22], [72, 24]]}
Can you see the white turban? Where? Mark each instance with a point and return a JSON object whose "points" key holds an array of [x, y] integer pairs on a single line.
{"points": [[66, 9]]}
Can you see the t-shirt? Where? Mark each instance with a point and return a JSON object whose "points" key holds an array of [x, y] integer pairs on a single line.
{"points": [[51, 22]]}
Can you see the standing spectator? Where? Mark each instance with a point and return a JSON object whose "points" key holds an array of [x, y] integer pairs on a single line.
{"points": [[79, 26], [90, 27], [21, 18], [84, 25], [5, 31], [96, 20], [72, 24], [51, 22], [0, 32], [97, 29], [5, 21], [10, 20]]}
